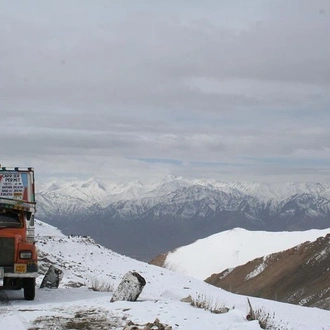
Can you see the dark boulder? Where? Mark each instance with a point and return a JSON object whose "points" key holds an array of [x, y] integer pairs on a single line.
{"points": [[52, 278]]}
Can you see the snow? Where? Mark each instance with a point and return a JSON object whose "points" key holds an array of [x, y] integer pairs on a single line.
{"points": [[44, 229], [84, 263], [96, 190], [259, 269], [281, 191], [232, 248]]}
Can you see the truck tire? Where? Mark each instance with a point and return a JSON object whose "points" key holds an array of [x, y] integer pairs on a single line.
{"points": [[29, 286]]}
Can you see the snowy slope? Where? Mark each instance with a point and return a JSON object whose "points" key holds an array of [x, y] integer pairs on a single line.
{"points": [[232, 248], [43, 229], [83, 262]]}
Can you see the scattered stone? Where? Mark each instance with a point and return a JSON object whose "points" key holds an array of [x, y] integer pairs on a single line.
{"points": [[72, 284], [187, 299], [156, 325]]}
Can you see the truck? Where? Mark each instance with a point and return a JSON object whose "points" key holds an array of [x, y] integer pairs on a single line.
{"points": [[18, 253]]}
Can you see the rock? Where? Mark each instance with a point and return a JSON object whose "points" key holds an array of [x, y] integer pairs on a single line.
{"points": [[129, 288], [156, 325], [52, 278], [187, 299]]}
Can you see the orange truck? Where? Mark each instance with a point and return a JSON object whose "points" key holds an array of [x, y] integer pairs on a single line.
{"points": [[18, 254]]}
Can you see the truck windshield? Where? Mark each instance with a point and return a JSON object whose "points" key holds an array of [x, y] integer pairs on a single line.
{"points": [[9, 219]]}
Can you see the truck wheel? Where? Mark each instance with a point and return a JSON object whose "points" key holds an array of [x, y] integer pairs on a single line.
{"points": [[29, 286]]}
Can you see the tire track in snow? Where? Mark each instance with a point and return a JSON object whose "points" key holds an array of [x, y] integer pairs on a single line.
{"points": [[7, 310]]}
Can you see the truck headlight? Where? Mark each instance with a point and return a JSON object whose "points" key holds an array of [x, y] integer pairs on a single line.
{"points": [[25, 255]]}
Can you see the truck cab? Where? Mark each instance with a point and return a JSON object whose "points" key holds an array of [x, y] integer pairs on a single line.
{"points": [[18, 254]]}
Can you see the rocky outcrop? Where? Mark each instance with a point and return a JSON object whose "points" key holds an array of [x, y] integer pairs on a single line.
{"points": [[159, 260]]}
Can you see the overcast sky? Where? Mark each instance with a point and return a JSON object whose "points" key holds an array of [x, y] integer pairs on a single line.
{"points": [[232, 90]]}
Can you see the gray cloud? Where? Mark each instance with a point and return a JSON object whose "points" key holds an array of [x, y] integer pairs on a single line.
{"points": [[118, 82]]}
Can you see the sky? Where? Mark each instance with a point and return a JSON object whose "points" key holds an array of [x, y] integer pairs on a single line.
{"points": [[229, 90]]}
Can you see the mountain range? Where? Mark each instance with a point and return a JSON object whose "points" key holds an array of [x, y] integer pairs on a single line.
{"points": [[143, 220]]}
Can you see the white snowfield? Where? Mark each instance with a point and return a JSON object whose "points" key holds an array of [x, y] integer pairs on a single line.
{"points": [[88, 264], [232, 248]]}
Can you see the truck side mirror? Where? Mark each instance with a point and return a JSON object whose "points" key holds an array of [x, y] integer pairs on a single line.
{"points": [[31, 220]]}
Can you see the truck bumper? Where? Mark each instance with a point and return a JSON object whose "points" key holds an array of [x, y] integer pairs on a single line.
{"points": [[25, 275], [31, 271]]}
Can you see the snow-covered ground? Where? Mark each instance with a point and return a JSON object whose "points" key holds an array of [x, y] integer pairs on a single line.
{"points": [[232, 248], [85, 264]]}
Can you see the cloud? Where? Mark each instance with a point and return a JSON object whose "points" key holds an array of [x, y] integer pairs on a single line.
{"points": [[201, 86]]}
